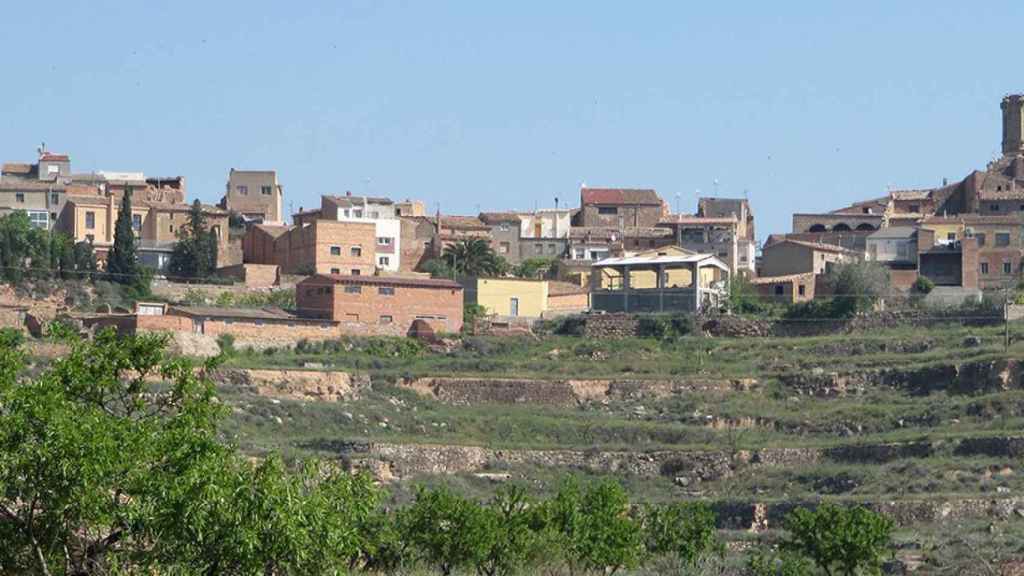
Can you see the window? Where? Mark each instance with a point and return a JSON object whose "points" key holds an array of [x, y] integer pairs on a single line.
{"points": [[243, 190], [171, 228], [1007, 268], [503, 248], [19, 197], [951, 236], [357, 213], [607, 210], [357, 251], [54, 198], [265, 190], [353, 289], [779, 290], [1002, 238], [386, 290], [802, 290], [994, 207], [914, 208], [503, 227], [384, 241], [984, 268], [981, 239], [53, 216], [538, 248], [39, 219], [335, 270], [386, 319], [335, 250], [137, 222], [384, 261], [374, 215], [90, 220], [354, 272], [91, 238], [53, 169]]}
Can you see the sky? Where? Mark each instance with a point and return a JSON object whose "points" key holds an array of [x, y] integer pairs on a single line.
{"points": [[801, 105]]}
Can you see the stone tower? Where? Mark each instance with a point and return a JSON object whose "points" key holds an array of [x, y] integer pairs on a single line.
{"points": [[1013, 124]]}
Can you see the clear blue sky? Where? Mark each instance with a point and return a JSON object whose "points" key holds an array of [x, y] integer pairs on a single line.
{"points": [[808, 105]]}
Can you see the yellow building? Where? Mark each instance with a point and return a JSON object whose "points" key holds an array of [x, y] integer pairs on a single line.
{"points": [[518, 297], [946, 228]]}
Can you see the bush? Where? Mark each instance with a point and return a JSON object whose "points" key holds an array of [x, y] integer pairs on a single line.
{"points": [[857, 286], [570, 326], [11, 337], [227, 344], [813, 309], [923, 286], [470, 312], [664, 327]]}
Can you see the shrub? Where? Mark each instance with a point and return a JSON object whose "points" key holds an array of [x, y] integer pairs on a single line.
{"points": [[227, 344], [857, 286], [923, 286], [11, 337], [664, 327], [570, 326]]}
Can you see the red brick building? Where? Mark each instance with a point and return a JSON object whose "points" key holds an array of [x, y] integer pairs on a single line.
{"points": [[381, 305], [319, 246]]}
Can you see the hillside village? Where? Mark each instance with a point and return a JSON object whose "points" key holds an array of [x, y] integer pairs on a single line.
{"points": [[869, 358], [383, 266]]}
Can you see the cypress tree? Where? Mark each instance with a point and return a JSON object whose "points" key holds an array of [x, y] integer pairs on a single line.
{"points": [[122, 266]]}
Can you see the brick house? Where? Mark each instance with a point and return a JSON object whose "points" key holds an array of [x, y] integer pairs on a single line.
{"points": [[787, 257], [316, 246], [255, 194], [379, 305], [620, 208], [788, 289]]}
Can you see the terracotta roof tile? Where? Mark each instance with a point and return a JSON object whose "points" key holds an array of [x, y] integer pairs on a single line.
{"points": [[644, 196]]}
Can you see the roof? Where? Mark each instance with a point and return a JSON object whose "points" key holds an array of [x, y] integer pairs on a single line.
{"points": [[644, 196], [357, 200], [976, 219], [88, 200], [17, 168], [556, 288], [894, 233], [27, 184], [464, 222], [698, 259], [910, 194], [273, 230], [388, 281], [496, 217], [820, 246], [779, 279], [599, 232], [698, 220], [50, 157], [242, 313], [857, 207]]}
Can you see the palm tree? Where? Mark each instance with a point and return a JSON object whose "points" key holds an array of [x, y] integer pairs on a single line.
{"points": [[474, 257]]}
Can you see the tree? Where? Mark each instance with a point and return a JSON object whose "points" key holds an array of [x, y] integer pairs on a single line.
{"points": [[846, 541], [857, 286], [100, 470], [448, 531], [122, 264], [684, 532], [515, 544], [594, 528], [534, 268], [474, 257], [82, 262], [15, 243], [195, 252]]}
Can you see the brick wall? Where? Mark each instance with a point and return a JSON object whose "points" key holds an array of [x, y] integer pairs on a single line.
{"points": [[567, 303], [252, 275], [902, 279], [416, 236], [304, 248], [372, 312]]}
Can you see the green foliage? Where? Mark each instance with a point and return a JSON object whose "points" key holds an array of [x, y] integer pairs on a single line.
{"points": [[839, 540], [813, 309], [438, 268], [227, 344], [535, 268], [664, 327], [923, 286], [11, 337], [768, 563], [195, 252], [470, 313], [857, 286], [684, 532], [474, 257], [122, 264], [277, 298], [745, 299], [448, 531], [27, 252], [593, 527]]}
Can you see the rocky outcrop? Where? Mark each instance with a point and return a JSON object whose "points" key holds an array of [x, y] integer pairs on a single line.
{"points": [[294, 384], [472, 391], [955, 378]]}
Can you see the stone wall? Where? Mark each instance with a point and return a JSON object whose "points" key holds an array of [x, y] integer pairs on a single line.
{"points": [[611, 326], [252, 275]]}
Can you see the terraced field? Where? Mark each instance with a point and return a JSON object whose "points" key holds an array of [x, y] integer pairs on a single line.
{"points": [[925, 425]]}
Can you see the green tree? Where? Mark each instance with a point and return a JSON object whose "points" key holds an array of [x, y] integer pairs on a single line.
{"points": [[15, 244], [195, 252], [448, 531], [768, 563], [840, 541], [535, 268], [83, 262], [474, 257], [101, 471], [856, 287], [122, 264], [515, 544], [593, 526], [683, 532]]}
